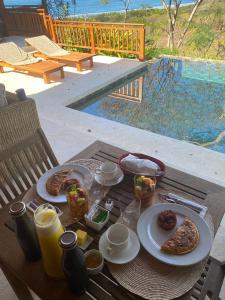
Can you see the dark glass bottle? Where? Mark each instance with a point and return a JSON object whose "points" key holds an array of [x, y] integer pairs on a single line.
{"points": [[73, 263], [25, 231]]}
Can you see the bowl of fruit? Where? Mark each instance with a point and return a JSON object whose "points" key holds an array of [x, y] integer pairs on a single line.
{"points": [[144, 189], [77, 199]]}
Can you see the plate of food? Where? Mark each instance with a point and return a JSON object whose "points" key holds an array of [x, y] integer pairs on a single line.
{"points": [[52, 185], [174, 234]]}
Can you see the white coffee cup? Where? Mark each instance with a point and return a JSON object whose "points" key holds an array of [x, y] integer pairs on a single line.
{"points": [[117, 237], [107, 171]]}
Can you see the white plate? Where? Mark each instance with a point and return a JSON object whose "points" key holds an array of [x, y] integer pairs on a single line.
{"points": [[125, 255], [117, 179], [152, 236], [79, 173]]}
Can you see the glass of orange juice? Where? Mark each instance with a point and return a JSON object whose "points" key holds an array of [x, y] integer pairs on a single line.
{"points": [[49, 229]]}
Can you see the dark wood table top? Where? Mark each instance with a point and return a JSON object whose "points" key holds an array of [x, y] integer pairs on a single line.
{"points": [[103, 286]]}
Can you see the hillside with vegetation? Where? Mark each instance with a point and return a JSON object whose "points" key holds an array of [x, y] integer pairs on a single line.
{"points": [[204, 39]]}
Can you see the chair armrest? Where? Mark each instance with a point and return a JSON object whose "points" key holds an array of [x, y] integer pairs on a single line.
{"points": [[216, 269], [11, 97], [213, 281], [218, 248]]}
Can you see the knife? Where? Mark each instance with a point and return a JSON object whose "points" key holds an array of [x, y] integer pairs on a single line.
{"points": [[173, 198]]}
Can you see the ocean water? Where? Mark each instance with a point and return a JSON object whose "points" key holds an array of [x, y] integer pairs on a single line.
{"points": [[182, 99], [86, 7]]}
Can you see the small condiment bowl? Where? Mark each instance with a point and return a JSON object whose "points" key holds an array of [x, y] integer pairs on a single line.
{"points": [[97, 261], [90, 220]]}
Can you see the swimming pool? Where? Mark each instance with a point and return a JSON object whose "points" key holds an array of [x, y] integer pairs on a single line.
{"points": [[178, 98]]}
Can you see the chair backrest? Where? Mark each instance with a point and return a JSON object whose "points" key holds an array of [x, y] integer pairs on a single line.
{"points": [[43, 44], [14, 55], [25, 153]]}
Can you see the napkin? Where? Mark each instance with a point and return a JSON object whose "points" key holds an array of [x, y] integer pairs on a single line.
{"points": [[139, 165]]}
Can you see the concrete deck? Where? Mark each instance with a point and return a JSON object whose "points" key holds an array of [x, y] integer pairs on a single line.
{"points": [[69, 131]]}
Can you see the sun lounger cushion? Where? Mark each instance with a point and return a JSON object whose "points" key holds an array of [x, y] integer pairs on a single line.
{"points": [[43, 44], [14, 55], [3, 100]]}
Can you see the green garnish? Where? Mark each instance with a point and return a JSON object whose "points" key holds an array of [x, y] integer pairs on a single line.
{"points": [[101, 216]]}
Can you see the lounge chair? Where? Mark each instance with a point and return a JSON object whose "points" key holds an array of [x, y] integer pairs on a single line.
{"points": [[15, 57], [50, 50]]}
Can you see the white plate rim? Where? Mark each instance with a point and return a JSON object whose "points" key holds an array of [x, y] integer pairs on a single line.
{"points": [[124, 261], [188, 259], [41, 190]]}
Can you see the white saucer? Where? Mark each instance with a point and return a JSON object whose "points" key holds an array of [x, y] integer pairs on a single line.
{"points": [[125, 255], [117, 179]]}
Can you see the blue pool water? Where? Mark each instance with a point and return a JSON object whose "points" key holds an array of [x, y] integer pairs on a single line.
{"points": [[182, 99]]}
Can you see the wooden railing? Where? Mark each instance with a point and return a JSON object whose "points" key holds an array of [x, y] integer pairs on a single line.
{"points": [[114, 37], [96, 36], [132, 91]]}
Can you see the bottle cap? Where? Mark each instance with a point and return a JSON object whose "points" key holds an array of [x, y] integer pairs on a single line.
{"points": [[17, 209], [68, 239]]}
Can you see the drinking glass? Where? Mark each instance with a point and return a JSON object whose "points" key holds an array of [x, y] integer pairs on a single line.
{"points": [[96, 194], [88, 181], [130, 214], [144, 190], [77, 199]]}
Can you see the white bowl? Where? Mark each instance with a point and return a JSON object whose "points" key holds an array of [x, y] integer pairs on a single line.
{"points": [[98, 269], [94, 225]]}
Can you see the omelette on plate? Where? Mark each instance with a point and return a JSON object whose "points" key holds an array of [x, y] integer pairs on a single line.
{"points": [[184, 240]]}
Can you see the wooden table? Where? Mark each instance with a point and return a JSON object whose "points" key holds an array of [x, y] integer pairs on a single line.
{"points": [[71, 59], [76, 58], [103, 286], [42, 68]]}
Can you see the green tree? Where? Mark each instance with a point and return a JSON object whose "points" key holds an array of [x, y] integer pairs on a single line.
{"points": [[172, 8], [126, 5], [58, 8]]}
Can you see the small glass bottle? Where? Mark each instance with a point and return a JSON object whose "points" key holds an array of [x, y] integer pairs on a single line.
{"points": [[25, 231], [73, 263], [49, 229]]}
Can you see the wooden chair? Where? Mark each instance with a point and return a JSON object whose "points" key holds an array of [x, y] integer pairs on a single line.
{"points": [[25, 153], [48, 49], [14, 57]]}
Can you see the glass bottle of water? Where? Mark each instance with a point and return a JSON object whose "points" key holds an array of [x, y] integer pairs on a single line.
{"points": [[25, 231], [73, 263]]}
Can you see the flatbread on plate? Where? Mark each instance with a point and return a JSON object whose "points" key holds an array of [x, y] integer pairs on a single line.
{"points": [[184, 240], [56, 182]]}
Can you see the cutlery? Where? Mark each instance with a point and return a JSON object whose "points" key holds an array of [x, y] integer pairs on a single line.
{"points": [[173, 198]]}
